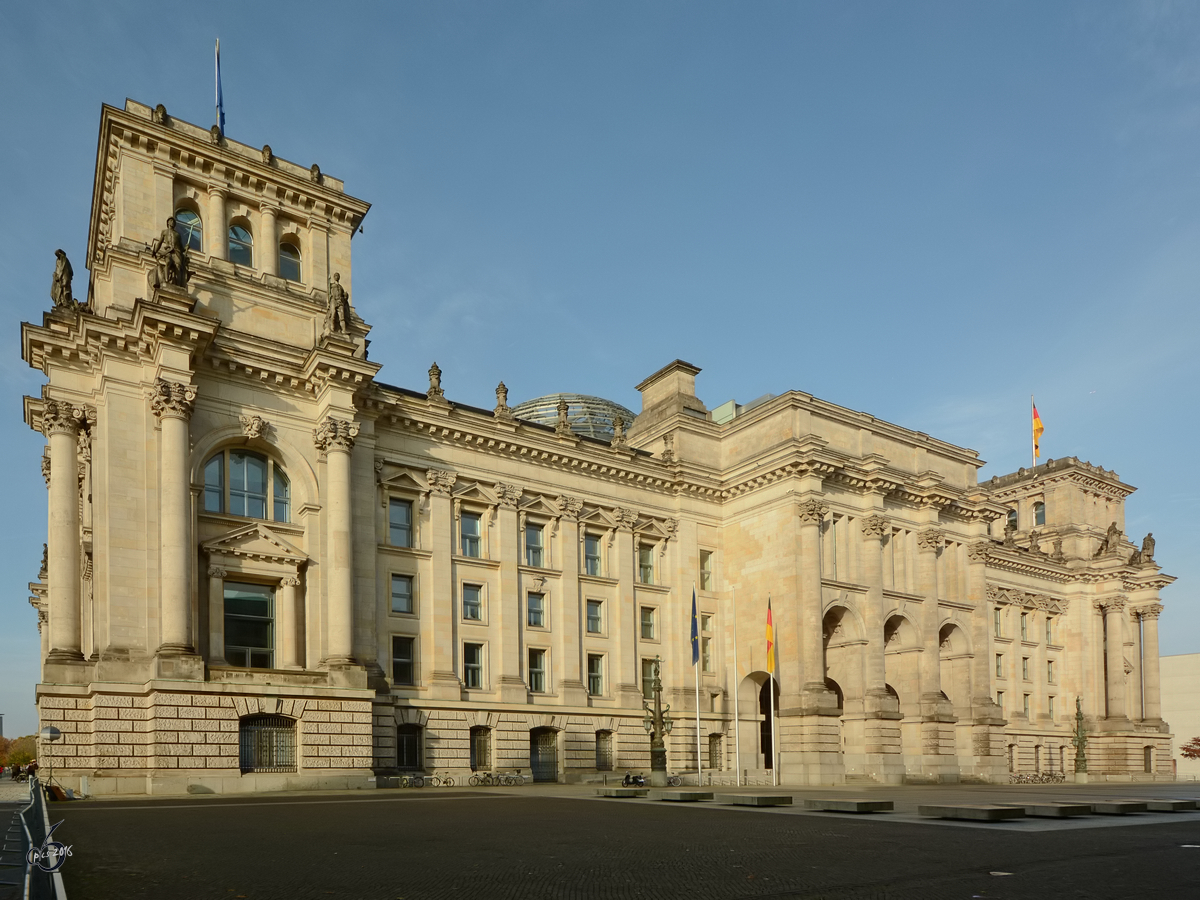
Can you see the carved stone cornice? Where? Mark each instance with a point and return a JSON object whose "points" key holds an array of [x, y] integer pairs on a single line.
{"points": [[1025, 600], [509, 495], [626, 519], [441, 481], [335, 434], [811, 511], [1153, 611], [876, 526], [172, 400], [569, 507], [980, 551], [253, 426], [930, 538], [61, 417]]}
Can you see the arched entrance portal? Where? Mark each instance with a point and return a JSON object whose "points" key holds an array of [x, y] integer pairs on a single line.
{"points": [[543, 754]]}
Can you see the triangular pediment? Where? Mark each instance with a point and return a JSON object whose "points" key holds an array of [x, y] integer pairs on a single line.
{"points": [[404, 480], [539, 506], [660, 530], [598, 518], [474, 492], [255, 541]]}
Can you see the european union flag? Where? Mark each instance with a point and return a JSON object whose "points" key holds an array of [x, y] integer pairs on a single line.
{"points": [[695, 631]]}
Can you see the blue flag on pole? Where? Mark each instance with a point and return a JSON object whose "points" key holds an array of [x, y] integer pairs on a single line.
{"points": [[695, 631], [220, 98]]}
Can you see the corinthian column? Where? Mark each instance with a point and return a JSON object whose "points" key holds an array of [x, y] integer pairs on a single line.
{"points": [[929, 541], [874, 528], [1114, 643], [172, 403], [981, 629], [1150, 681], [60, 424], [335, 438], [812, 650]]}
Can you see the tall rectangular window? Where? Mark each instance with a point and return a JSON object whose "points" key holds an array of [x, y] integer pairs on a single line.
{"points": [[537, 671], [249, 625], [400, 522], [591, 554], [1025, 668], [595, 617], [470, 531], [996, 621], [1024, 626], [473, 665], [402, 594], [648, 631], [472, 602], [706, 570], [999, 665], [536, 608], [1050, 705], [1000, 700], [648, 679], [214, 484], [402, 660], [1049, 629], [534, 548], [595, 674], [645, 564], [1025, 704], [706, 663], [1050, 671]]}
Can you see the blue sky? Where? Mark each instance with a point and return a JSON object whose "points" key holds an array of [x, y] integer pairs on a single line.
{"points": [[927, 211]]}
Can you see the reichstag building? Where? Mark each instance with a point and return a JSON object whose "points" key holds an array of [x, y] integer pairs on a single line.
{"points": [[268, 569]]}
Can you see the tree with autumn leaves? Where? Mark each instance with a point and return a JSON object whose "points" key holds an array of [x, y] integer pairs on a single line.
{"points": [[1191, 750]]}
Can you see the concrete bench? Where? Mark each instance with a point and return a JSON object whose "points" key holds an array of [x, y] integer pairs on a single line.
{"points": [[754, 799], [850, 806], [620, 792], [973, 813], [681, 796], [1057, 810], [1170, 805], [1119, 807]]}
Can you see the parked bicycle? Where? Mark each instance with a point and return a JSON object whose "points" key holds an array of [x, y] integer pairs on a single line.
{"points": [[482, 779], [436, 780], [412, 781], [674, 781]]}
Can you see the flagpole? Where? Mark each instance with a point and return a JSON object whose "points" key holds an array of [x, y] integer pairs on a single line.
{"points": [[774, 736], [217, 84], [737, 719], [696, 665], [1032, 433]]}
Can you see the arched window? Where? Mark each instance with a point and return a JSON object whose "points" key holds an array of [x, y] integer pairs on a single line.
{"points": [[190, 228], [244, 483], [267, 744], [1039, 513], [289, 261], [241, 245], [1011, 523]]}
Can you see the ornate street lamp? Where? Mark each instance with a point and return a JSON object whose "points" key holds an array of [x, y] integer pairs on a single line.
{"points": [[658, 725], [1080, 742]]}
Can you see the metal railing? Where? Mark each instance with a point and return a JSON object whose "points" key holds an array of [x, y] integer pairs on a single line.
{"points": [[40, 884]]}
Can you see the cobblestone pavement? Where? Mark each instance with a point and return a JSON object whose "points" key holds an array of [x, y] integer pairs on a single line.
{"points": [[557, 842], [12, 792]]}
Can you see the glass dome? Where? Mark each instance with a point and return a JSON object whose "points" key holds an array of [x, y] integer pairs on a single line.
{"points": [[587, 416]]}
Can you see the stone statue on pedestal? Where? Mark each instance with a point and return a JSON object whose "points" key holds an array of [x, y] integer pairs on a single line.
{"points": [[337, 314], [170, 258], [60, 287]]}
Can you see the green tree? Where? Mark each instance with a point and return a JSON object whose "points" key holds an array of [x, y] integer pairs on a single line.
{"points": [[18, 751]]}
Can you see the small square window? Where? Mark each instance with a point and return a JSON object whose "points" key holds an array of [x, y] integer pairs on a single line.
{"points": [[402, 660], [537, 671], [400, 522], [591, 554], [473, 665], [472, 602], [470, 530], [534, 549], [648, 631], [595, 674], [402, 594], [537, 610], [595, 617], [645, 564], [706, 570]]}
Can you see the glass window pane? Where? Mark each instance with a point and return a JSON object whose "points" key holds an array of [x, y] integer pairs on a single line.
{"points": [[190, 229], [249, 624], [214, 484], [402, 660], [472, 602], [282, 493], [533, 545], [402, 594], [591, 554], [537, 610], [595, 623], [648, 623], [241, 246], [247, 484], [399, 522], [289, 261], [470, 530]]}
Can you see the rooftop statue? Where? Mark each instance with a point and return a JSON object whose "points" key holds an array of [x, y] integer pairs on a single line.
{"points": [[337, 314], [170, 258], [60, 287]]}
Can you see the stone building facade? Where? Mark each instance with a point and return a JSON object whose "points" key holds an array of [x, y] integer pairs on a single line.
{"points": [[267, 569]]}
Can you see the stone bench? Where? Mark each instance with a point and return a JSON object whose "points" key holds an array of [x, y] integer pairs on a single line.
{"points": [[1170, 805], [681, 796], [754, 799], [1119, 807], [1056, 810], [621, 792], [850, 806], [973, 813]]}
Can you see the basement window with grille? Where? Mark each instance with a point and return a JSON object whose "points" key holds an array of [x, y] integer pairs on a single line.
{"points": [[267, 744]]}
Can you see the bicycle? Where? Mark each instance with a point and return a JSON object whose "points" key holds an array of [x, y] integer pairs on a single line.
{"points": [[436, 780], [412, 781], [513, 779], [674, 781], [482, 779]]}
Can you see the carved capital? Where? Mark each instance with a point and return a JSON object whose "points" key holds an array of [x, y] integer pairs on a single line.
{"points": [[60, 417], [172, 400], [335, 434], [1153, 611], [509, 495], [569, 507], [46, 469], [930, 538], [216, 572], [441, 481], [980, 551], [876, 526], [811, 511], [626, 519], [290, 581], [1112, 604], [253, 426]]}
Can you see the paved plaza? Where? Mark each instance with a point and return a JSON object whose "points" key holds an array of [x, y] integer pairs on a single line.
{"points": [[563, 842]]}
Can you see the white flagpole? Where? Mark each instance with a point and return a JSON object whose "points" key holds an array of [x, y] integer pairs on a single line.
{"points": [[737, 719], [774, 736], [217, 83], [696, 666]]}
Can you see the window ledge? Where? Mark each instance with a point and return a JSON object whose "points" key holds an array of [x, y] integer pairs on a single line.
{"points": [[476, 561], [537, 570], [598, 579], [393, 550], [652, 588], [232, 521]]}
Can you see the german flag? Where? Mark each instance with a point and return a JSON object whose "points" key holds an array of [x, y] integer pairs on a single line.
{"points": [[770, 640], [1038, 428]]}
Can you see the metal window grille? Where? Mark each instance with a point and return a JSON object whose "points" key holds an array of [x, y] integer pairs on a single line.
{"points": [[267, 744], [480, 748], [604, 751], [716, 760]]}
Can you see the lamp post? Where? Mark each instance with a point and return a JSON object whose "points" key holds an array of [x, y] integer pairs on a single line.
{"points": [[1080, 742], [49, 735], [658, 725]]}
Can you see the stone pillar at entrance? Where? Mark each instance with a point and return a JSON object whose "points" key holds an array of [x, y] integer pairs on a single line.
{"points": [[289, 637], [172, 403], [60, 424], [1114, 644], [335, 438], [216, 616], [1150, 674]]}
